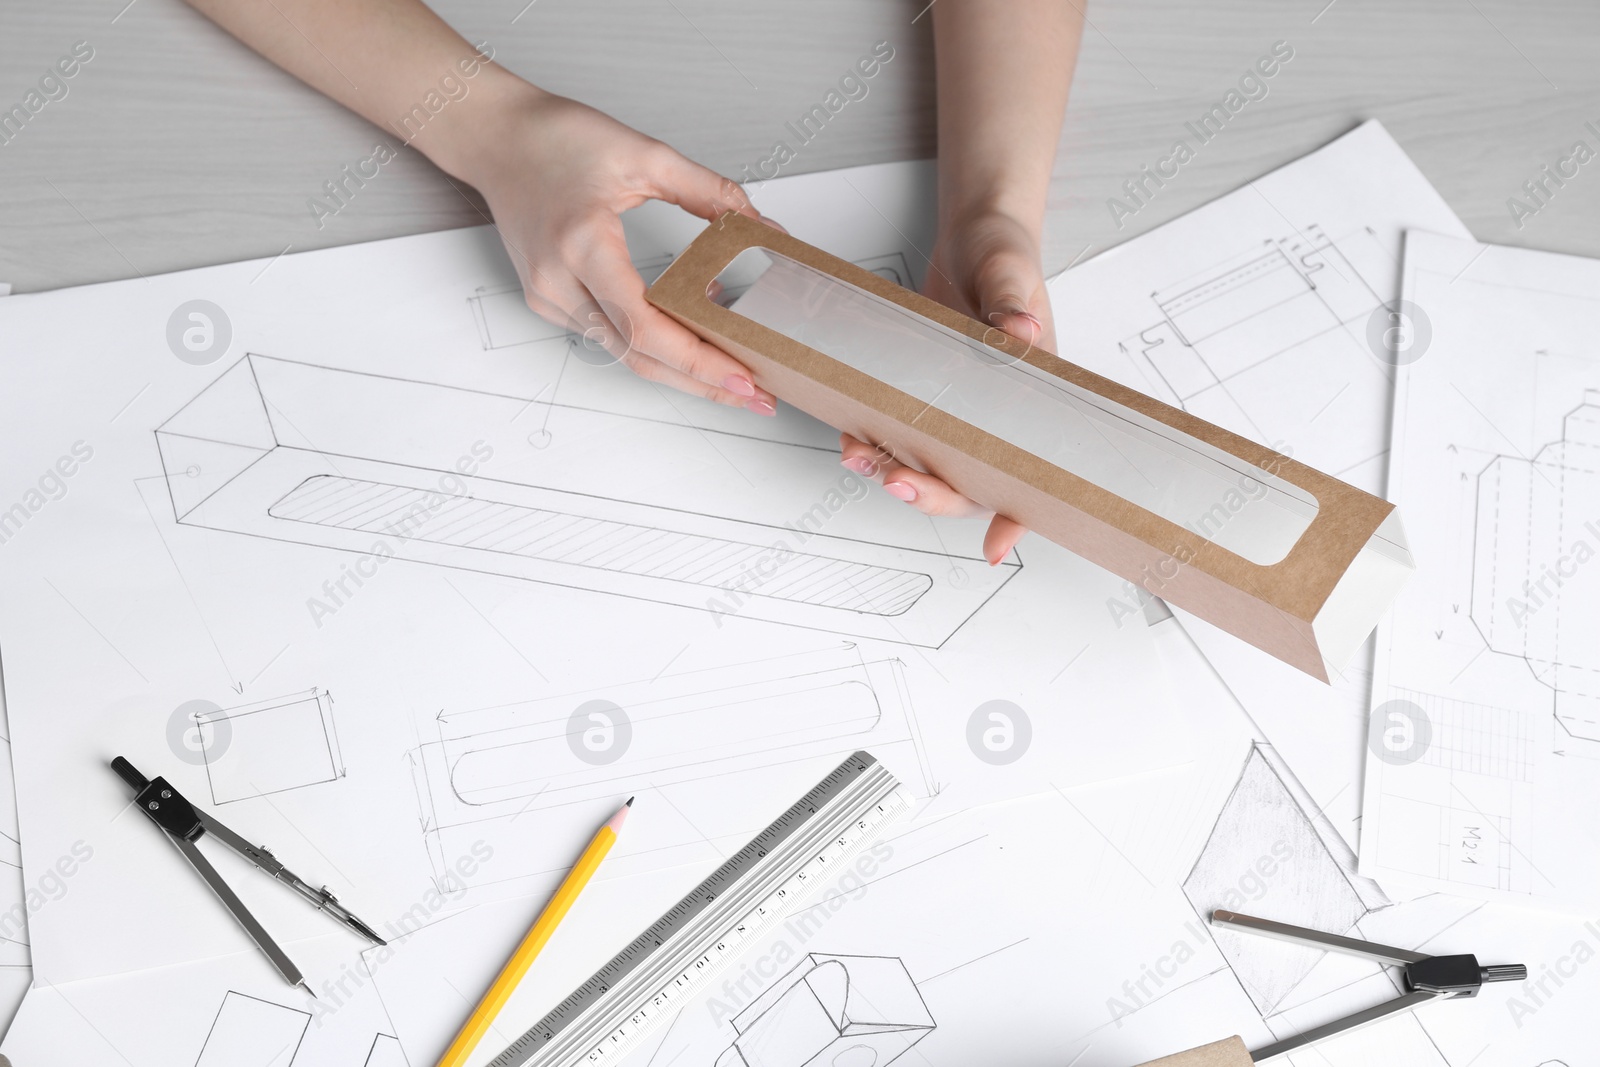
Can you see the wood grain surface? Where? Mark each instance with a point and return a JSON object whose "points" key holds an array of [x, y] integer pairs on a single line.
{"points": [[176, 147]]}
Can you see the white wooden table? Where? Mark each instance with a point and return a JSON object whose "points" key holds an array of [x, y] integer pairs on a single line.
{"points": [[176, 147]]}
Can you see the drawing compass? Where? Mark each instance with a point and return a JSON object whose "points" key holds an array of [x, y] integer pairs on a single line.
{"points": [[184, 825], [1427, 978]]}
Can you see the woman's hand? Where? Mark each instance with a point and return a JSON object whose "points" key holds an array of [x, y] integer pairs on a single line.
{"points": [[988, 267], [557, 175], [1002, 95]]}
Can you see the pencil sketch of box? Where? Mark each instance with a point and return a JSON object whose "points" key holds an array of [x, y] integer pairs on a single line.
{"points": [[270, 746], [591, 500], [832, 1011], [497, 775]]}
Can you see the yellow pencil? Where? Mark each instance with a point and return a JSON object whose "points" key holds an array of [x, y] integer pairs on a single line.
{"points": [[478, 1023]]}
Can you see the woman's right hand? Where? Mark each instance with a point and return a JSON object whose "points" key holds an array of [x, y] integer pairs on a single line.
{"points": [[557, 175]]}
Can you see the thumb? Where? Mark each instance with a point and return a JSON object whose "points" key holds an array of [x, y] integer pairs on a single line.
{"points": [[1011, 296], [698, 190]]}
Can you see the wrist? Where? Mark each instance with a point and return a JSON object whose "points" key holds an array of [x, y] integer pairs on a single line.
{"points": [[463, 140], [967, 203]]}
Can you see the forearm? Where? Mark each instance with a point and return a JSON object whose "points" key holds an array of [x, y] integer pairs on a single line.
{"points": [[1002, 69], [382, 59]]}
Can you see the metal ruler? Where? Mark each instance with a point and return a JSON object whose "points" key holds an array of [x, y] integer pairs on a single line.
{"points": [[606, 1017]]}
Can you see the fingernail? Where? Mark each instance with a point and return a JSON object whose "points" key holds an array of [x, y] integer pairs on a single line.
{"points": [[901, 491], [775, 224], [738, 383], [1017, 313], [860, 465], [760, 407]]}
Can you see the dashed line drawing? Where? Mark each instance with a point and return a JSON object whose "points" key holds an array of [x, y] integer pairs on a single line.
{"points": [[843, 1011], [370, 465], [1272, 343], [1534, 586], [270, 746], [502, 775], [250, 1030]]}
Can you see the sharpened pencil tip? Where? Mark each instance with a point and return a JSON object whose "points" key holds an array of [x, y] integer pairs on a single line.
{"points": [[620, 817]]}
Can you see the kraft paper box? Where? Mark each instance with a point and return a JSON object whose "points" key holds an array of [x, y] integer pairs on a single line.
{"points": [[1285, 557], [1229, 1053]]}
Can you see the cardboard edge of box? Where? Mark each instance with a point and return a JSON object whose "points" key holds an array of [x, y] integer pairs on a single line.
{"points": [[1272, 606], [1229, 1052]]}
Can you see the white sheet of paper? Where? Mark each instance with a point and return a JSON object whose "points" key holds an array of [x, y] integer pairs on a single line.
{"points": [[230, 1011], [413, 588], [1065, 928], [1256, 312], [16, 974], [1062, 929], [1485, 773]]}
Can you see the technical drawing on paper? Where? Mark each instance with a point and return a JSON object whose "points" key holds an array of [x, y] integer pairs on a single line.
{"points": [[847, 1011], [1473, 793], [251, 1030], [384, 479], [1533, 589], [385, 1052], [1265, 846], [504, 319], [1497, 436], [493, 772], [13, 887], [270, 746], [1272, 344]]}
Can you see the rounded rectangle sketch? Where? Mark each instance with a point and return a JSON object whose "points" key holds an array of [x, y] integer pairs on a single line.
{"points": [[845, 1011], [549, 535], [270, 746], [239, 457], [493, 771]]}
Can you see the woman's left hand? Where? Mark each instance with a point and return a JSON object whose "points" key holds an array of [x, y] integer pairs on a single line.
{"points": [[987, 267]]}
